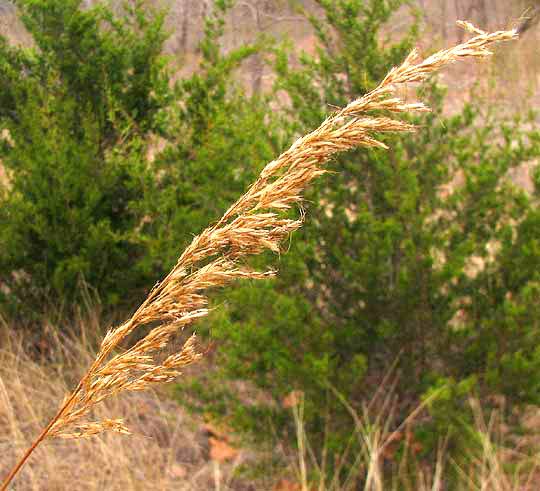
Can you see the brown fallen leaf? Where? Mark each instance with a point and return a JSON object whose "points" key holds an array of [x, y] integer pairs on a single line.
{"points": [[292, 399], [221, 451], [287, 485], [177, 471]]}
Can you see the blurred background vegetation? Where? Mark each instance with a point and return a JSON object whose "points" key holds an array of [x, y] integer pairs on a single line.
{"points": [[417, 272]]}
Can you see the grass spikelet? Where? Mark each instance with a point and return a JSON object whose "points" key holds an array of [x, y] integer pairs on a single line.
{"points": [[249, 226]]}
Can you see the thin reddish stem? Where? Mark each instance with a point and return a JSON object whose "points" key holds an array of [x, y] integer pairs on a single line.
{"points": [[38, 440]]}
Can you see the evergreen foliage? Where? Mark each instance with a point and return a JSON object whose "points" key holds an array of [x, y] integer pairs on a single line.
{"points": [[78, 107], [83, 109], [386, 277], [219, 139]]}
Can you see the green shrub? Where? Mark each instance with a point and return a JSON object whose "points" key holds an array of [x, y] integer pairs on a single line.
{"points": [[219, 139], [82, 107], [383, 273], [78, 108]]}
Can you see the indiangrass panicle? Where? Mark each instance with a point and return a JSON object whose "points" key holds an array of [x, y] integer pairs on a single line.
{"points": [[249, 226]]}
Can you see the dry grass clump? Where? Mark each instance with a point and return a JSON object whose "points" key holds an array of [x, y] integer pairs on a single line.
{"points": [[491, 465], [252, 224], [170, 450]]}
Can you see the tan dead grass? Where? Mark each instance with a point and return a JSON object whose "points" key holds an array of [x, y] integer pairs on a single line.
{"points": [[492, 465], [170, 450], [251, 225]]}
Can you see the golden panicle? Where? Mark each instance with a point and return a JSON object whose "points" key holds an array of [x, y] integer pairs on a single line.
{"points": [[249, 226]]}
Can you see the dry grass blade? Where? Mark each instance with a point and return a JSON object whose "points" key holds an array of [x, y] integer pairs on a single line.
{"points": [[249, 226], [529, 18]]}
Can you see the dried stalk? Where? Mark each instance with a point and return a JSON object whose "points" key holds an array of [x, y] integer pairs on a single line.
{"points": [[249, 226]]}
